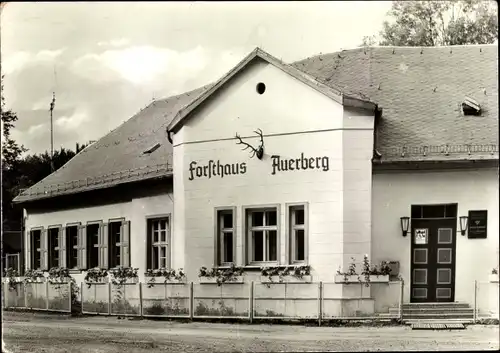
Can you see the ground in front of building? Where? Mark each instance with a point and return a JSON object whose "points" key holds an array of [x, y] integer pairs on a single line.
{"points": [[28, 332]]}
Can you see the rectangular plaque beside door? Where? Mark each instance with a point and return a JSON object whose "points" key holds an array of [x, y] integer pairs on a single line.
{"points": [[477, 224]]}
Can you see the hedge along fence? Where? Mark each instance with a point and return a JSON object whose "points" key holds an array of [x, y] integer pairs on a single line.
{"points": [[41, 296], [245, 300]]}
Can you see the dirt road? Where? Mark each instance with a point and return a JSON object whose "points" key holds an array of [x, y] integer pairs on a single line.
{"points": [[26, 332]]}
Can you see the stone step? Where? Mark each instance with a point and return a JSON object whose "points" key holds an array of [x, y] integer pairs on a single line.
{"points": [[436, 311], [435, 305], [438, 317], [438, 321]]}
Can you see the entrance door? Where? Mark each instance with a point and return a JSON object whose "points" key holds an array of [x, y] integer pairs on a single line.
{"points": [[433, 260]]}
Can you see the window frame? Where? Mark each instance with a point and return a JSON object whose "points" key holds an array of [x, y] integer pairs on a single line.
{"points": [[33, 250], [119, 244], [247, 248], [99, 245], [57, 248], [218, 238], [150, 244], [290, 239]]}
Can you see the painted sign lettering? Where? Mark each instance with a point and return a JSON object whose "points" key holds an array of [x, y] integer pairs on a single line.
{"points": [[215, 169], [302, 163]]}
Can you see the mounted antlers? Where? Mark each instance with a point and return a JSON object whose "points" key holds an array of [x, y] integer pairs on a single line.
{"points": [[259, 151]]}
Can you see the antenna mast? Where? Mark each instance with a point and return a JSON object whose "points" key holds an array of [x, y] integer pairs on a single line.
{"points": [[52, 104]]}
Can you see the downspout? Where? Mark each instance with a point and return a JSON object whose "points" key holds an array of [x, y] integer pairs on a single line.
{"points": [[376, 154]]}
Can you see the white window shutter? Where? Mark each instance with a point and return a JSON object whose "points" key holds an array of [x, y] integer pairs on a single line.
{"points": [[81, 260], [44, 250], [28, 261], [62, 247], [125, 244], [103, 245]]}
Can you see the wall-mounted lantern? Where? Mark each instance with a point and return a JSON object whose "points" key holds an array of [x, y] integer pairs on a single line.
{"points": [[405, 223], [463, 224]]}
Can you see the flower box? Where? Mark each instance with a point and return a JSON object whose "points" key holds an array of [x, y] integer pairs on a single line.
{"points": [[213, 280], [286, 279], [361, 279], [161, 280], [493, 277]]}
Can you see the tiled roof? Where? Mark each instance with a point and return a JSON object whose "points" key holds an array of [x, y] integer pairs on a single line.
{"points": [[421, 91], [119, 156]]}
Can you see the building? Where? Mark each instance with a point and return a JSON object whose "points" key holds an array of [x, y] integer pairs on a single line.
{"points": [[381, 151]]}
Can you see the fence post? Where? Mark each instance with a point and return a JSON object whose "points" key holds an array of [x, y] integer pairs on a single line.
{"points": [[5, 295], [475, 301], [320, 302], [140, 299], [24, 296], [250, 303], [191, 301], [47, 294], [81, 297], [401, 294], [109, 298], [70, 296]]}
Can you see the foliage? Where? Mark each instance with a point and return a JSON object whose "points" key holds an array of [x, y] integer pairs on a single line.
{"points": [[223, 310], [95, 275], [12, 277], [222, 275], [119, 275], [168, 309], [281, 272], [367, 270], [166, 274], [95, 307], [31, 276], [436, 23]]}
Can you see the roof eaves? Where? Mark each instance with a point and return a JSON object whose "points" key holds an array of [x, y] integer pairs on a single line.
{"points": [[182, 113]]}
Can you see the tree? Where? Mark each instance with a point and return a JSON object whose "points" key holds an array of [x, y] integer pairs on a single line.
{"points": [[437, 23]]}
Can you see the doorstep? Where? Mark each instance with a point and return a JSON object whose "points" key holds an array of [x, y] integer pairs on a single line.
{"points": [[437, 326]]}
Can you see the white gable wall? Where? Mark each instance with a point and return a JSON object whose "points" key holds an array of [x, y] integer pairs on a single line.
{"points": [[295, 119]]}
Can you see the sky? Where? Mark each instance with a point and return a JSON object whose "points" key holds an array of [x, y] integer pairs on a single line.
{"points": [[106, 61]]}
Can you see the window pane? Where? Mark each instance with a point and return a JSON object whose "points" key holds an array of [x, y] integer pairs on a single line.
{"points": [[155, 237], [257, 219], [156, 224], [163, 262], [436, 211], [155, 258], [271, 218], [299, 216], [163, 251], [163, 224], [227, 220], [163, 236], [416, 211], [258, 246], [299, 245], [271, 246], [227, 250]]}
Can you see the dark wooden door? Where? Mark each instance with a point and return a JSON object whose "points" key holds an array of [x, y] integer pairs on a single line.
{"points": [[433, 248]]}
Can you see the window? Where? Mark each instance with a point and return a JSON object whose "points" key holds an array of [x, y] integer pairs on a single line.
{"points": [[297, 233], [72, 249], [115, 231], [262, 233], [107, 244], [36, 248], [54, 247], [225, 237], [158, 252]]}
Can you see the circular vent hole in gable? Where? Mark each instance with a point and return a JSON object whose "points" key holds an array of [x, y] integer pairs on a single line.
{"points": [[261, 88]]}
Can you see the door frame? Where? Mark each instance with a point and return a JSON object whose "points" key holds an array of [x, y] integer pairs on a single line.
{"points": [[451, 217]]}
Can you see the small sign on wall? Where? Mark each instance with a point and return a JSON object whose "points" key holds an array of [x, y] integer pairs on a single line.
{"points": [[420, 236], [477, 224]]}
